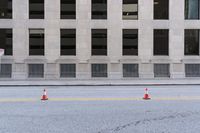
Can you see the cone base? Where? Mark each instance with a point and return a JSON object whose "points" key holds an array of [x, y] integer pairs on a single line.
{"points": [[146, 98]]}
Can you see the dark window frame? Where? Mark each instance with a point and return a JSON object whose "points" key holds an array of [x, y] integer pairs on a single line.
{"points": [[8, 48], [34, 14], [163, 18], [94, 47], [129, 74], [65, 48], [155, 43], [5, 73], [137, 11], [37, 47], [162, 74], [132, 47], [102, 15], [66, 74], [191, 18], [36, 74], [63, 13], [10, 11], [100, 73]]}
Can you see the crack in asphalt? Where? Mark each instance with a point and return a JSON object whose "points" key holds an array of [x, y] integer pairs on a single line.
{"points": [[145, 121]]}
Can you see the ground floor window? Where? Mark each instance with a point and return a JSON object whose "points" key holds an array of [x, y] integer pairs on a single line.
{"points": [[67, 70], [99, 70], [36, 70], [161, 70], [130, 70], [192, 70], [5, 71]]}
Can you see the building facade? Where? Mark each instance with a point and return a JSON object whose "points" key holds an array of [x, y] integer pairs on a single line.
{"points": [[99, 39]]}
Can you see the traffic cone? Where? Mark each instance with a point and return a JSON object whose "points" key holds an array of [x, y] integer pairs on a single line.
{"points": [[146, 95], [44, 96]]}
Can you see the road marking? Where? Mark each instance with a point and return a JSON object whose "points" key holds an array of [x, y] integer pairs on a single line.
{"points": [[100, 99]]}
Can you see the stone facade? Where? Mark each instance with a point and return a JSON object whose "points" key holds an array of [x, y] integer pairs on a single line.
{"points": [[83, 25]]}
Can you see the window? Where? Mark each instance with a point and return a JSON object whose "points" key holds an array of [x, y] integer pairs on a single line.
{"points": [[130, 42], [192, 70], [5, 9], [130, 70], [6, 41], [5, 70], [161, 42], [68, 9], [130, 9], [161, 70], [99, 9], [161, 9], [99, 70], [191, 42], [67, 70], [99, 42], [192, 9], [36, 9], [68, 42], [35, 70], [36, 42]]}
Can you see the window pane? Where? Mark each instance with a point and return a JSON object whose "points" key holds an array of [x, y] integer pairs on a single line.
{"points": [[36, 9], [36, 42], [5, 9], [161, 42], [130, 42], [161, 9], [67, 70], [161, 70], [130, 9], [68, 9], [191, 42], [130, 70], [192, 70], [99, 42], [6, 41], [99, 70], [68, 42], [192, 9], [99, 9], [5, 70], [35, 70]]}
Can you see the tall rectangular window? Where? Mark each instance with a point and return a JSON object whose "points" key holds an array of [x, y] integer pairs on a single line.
{"points": [[99, 9], [67, 70], [5, 71], [161, 42], [6, 41], [99, 41], [192, 10], [5, 9], [68, 41], [191, 42], [130, 42], [36, 42], [99, 70], [161, 9], [130, 9], [68, 9], [161, 70], [192, 70], [35, 70], [36, 9], [130, 70]]}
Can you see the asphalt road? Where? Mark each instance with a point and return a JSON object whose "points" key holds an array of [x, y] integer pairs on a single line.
{"points": [[100, 109]]}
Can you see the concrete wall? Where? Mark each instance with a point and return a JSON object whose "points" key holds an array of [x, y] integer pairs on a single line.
{"points": [[83, 25]]}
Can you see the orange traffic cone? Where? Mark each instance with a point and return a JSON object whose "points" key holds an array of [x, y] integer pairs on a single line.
{"points": [[146, 95], [44, 96]]}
